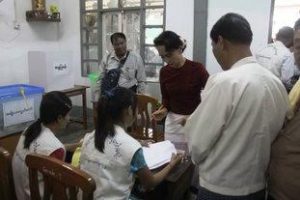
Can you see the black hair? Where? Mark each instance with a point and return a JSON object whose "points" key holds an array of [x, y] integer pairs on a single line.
{"points": [[110, 107], [286, 36], [297, 25], [170, 40], [232, 27], [117, 35], [53, 105]]}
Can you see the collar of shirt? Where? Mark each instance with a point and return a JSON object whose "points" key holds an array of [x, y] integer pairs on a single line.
{"points": [[279, 44], [115, 57], [244, 61]]}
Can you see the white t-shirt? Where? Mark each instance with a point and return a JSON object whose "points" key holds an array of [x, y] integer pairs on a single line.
{"points": [[279, 60], [45, 144], [111, 169]]}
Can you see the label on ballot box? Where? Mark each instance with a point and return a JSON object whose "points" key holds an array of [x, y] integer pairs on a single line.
{"points": [[16, 112], [19, 107]]}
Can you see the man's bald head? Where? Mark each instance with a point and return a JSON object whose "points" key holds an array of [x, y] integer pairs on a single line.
{"points": [[286, 36]]}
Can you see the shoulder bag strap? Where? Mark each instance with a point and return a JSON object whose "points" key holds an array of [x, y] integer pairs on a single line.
{"points": [[122, 61]]}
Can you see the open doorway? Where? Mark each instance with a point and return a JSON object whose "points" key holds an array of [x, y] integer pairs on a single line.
{"points": [[286, 13]]}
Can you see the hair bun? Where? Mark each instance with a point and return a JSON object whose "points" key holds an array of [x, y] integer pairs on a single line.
{"points": [[183, 46], [108, 94]]}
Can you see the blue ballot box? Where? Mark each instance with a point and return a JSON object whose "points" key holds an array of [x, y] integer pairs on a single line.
{"points": [[19, 107]]}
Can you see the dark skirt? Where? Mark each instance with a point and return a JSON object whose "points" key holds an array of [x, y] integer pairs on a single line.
{"points": [[204, 194]]}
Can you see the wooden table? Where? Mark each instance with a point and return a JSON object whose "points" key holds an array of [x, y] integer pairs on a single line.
{"points": [[9, 142], [175, 186], [179, 180], [75, 91]]}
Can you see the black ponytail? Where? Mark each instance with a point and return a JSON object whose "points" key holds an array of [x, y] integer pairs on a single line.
{"points": [[34, 130], [110, 108], [53, 105]]}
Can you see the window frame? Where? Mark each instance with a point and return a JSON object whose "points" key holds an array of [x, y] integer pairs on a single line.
{"points": [[99, 12]]}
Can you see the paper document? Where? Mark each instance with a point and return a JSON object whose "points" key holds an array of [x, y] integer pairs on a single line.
{"points": [[158, 154]]}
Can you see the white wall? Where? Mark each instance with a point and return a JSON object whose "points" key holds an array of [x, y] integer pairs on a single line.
{"points": [[13, 44], [46, 36], [286, 13], [180, 19], [41, 36], [255, 11]]}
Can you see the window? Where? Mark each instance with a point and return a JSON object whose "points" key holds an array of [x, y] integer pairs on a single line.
{"points": [[286, 13], [140, 20]]}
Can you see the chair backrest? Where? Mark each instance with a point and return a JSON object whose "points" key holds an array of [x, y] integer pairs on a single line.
{"points": [[144, 127], [61, 180], [7, 188]]}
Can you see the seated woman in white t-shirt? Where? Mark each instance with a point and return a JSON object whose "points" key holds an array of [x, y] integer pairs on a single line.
{"points": [[40, 138], [111, 156]]}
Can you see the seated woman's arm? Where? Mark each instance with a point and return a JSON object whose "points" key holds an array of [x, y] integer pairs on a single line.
{"points": [[59, 154], [146, 177], [72, 146]]}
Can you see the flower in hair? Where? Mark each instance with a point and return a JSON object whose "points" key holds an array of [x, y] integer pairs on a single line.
{"points": [[183, 43]]}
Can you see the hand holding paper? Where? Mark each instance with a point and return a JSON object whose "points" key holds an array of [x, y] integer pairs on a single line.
{"points": [[160, 153], [175, 159]]}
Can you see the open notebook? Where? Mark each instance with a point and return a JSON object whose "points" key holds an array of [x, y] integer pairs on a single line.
{"points": [[158, 154]]}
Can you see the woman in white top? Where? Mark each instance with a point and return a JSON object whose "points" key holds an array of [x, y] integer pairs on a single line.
{"points": [[111, 156], [40, 138]]}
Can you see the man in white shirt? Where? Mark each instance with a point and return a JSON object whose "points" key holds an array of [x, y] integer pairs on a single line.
{"points": [[242, 110], [278, 58]]}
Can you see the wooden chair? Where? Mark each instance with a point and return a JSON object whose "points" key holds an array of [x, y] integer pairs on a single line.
{"points": [[7, 188], [61, 180], [144, 127]]}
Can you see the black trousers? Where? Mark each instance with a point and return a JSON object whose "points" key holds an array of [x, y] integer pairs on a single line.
{"points": [[205, 194]]}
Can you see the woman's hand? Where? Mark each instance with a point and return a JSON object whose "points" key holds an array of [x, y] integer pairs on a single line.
{"points": [[150, 180], [72, 147], [145, 143], [175, 159], [159, 114]]}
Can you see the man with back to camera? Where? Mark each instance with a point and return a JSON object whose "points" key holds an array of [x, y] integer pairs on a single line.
{"points": [[242, 110]]}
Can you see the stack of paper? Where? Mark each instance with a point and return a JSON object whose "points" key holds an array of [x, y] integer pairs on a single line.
{"points": [[158, 154]]}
